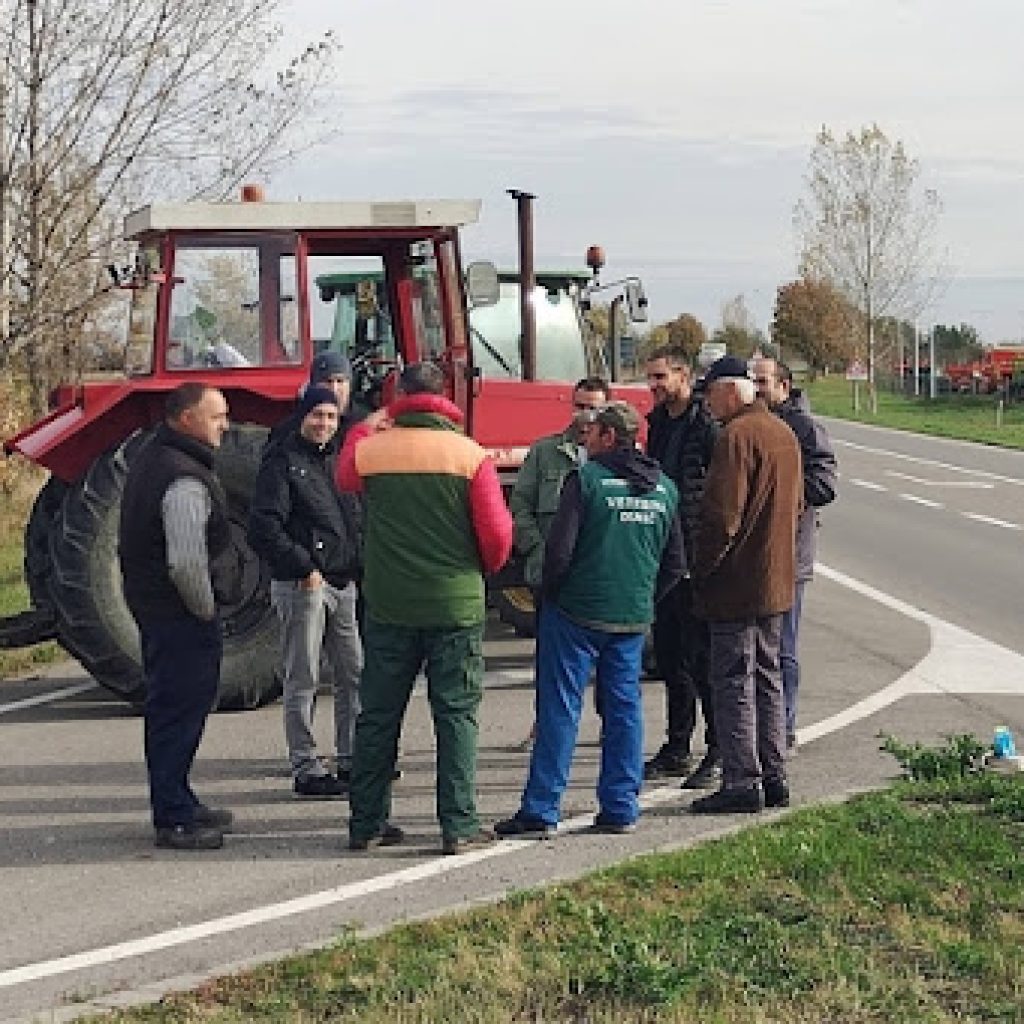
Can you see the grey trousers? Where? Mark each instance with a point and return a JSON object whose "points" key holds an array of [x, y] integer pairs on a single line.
{"points": [[750, 711], [312, 622]]}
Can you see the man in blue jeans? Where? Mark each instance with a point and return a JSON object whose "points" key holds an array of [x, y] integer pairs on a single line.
{"points": [[614, 548]]}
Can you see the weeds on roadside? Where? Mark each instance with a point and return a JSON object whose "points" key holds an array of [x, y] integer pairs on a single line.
{"points": [[958, 757]]}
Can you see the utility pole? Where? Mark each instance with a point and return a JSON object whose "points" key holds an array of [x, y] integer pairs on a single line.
{"points": [[932, 379]]}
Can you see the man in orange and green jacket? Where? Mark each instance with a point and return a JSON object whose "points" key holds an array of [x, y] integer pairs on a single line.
{"points": [[436, 522]]}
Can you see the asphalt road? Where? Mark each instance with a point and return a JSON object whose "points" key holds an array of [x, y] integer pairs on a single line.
{"points": [[938, 523], [93, 914]]}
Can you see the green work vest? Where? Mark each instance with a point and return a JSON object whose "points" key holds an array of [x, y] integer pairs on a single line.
{"points": [[610, 582]]}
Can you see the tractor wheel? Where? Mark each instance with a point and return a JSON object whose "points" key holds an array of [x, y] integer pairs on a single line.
{"points": [[516, 609], [93, 620], [45, 510]]}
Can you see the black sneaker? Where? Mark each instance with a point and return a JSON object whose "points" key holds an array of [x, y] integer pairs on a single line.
{"points": [[389, 835], [729, 801], [190, 837], [776, 794], [708, 774], [454, 845], [319, 787], [519, 827], [606, 827], [214, 817], [666, 764]]}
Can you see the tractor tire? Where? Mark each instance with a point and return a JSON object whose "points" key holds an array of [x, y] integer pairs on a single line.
{"points": [[515, 608], [45, 510], [93, 621]]}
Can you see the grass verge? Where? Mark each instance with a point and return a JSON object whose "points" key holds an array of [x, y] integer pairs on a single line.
{"points": [[904, 905], [13, 591], [967, 417]]}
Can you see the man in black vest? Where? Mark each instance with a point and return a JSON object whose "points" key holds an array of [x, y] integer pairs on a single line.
{"points": [[177, 564]]}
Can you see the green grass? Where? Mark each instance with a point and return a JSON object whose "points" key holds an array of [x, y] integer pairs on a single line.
{"points": [[968, 417], [906, 905], [13, 592]]}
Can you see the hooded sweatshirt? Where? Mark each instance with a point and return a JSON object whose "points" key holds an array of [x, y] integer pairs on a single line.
{"points": [[614, 547]]}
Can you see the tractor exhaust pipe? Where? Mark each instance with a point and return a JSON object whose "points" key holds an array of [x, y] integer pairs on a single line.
{"points": [[527, 283]]}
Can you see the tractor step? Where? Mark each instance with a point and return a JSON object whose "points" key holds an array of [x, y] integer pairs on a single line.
{"points": [[27, 628]]}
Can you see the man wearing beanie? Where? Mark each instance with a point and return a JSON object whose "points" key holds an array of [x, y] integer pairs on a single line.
{"points": [[331, 370], [310, 535]]}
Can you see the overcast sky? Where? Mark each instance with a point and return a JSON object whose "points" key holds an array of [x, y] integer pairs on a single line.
{"points": [[676, 134]]}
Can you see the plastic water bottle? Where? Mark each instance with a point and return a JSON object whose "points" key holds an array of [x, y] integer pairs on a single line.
{"points": [[1002, 743]]}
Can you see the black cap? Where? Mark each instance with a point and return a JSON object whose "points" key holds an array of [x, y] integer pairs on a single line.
{"points": [[327, 365], [727, 366]]}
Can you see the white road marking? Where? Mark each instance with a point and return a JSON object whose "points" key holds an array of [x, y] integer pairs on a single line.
{"points": [[991, 522], [869, 484], [922, 501], [46, 698], [957, 662], [977, 484], [919, 460], [433, 868]]}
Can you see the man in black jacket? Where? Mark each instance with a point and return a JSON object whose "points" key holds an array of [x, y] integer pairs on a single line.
{"points": [[681, 436], [177, 566], [774, 382], [310, 535]]}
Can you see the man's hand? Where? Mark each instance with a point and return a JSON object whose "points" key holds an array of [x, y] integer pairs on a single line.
{"points": [[312, 582], [378, 420]]}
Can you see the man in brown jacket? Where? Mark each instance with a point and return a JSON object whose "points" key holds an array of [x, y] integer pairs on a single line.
{"points": [[745, 575]]}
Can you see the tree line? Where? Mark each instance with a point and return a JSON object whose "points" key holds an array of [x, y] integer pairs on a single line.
{"points": [[109, 104]]}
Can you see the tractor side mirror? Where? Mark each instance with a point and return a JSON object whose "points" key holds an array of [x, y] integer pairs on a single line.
{"points": [[482, 287], [636, 301]]}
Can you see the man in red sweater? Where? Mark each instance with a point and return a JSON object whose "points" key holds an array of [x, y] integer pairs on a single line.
{"points": [[436, 522]]}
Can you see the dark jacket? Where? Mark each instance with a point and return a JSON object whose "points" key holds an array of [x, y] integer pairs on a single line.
{"points": [[819, 473], [683, 445], [627, 573], [746, 535], [149, 592], [298, 521]]}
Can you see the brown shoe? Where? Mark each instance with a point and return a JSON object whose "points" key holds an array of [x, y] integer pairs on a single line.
{"points": [[454, 845], [389, 835]]}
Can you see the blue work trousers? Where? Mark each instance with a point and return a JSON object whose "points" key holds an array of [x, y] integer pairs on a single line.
{"points": [[181, 665], [569, 654], [789, 658]]}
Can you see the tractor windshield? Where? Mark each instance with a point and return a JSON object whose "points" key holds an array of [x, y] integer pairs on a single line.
{"points": [[234, 305], [495, 331]]}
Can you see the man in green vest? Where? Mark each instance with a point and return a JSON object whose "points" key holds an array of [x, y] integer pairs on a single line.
{"points": [[613, 548]]}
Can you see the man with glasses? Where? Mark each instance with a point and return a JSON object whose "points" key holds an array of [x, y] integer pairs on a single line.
{"points": [[538, 487]]}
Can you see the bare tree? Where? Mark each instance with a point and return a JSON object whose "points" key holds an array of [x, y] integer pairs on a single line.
{"points": [[104, 103], [867, 228]]}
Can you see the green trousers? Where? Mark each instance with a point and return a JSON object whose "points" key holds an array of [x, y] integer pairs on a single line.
{"points": [[454, 665]]}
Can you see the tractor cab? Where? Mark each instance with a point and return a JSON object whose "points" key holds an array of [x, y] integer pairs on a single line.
{"points": [[228, 293]]}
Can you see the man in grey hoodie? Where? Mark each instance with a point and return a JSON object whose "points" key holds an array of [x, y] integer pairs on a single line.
{"points": [[774, 382]]}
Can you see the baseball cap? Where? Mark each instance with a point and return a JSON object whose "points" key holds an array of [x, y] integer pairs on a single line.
{"points": [[621, 417], [727, 366]]}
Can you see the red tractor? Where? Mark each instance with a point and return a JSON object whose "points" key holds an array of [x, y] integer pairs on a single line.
{"points": [[241, 296]]}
